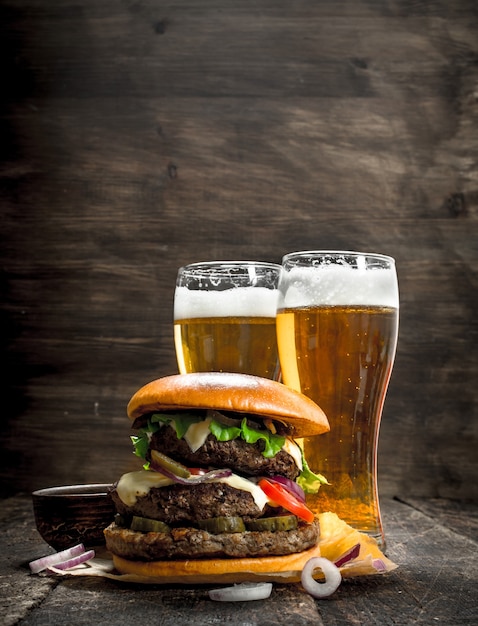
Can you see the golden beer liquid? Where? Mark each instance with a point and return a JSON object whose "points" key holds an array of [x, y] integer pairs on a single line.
{"points": [[342, 357], [247, 345]]}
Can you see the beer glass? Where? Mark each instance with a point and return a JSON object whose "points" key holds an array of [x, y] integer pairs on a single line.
{"points": [[225, 317], [337, 327]]}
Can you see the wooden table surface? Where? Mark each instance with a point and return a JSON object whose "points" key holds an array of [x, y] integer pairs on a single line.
{"points": [[140, 135], [434, 542]]}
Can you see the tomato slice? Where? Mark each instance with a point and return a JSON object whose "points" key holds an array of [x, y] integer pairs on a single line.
{"points": [[286, 499], [197, 471]]}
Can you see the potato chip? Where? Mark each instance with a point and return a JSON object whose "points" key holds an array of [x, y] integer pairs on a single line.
{"points": [[337, 537]]}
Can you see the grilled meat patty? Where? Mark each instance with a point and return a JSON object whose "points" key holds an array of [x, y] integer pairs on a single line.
{"points": [[184, 543], [246, 459], [183, 504]]}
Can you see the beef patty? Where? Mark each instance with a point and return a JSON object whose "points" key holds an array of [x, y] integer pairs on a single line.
{"points": [[184, 543], [184, 504], [246, 458]]}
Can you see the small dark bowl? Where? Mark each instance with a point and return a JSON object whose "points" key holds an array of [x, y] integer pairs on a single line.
{"points": [[73, 514]]}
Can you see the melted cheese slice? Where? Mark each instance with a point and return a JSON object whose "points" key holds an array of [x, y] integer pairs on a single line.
{"points": [[197, 434], [243, 484], [136, 484], [133, 485], [292, 448]]}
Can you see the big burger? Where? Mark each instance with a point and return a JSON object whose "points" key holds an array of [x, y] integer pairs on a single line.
{"points": [[221, 492]]}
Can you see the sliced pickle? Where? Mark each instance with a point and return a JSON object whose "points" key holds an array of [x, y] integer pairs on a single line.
{"points": [[273, 524], [218, 525], [161, 460], [147, 525]]}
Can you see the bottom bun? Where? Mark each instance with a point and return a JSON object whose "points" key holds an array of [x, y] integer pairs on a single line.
{"points": [[280, 569]]}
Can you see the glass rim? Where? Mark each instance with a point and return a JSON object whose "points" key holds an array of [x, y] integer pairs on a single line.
{"points": [[228, 264], [352, 253]]}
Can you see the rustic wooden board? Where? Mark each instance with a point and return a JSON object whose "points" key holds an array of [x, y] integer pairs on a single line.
{"points": [[137, 137], [435, 582], [459, 516]]}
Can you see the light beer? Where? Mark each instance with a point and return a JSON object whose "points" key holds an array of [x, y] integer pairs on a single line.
{"points": [[340, 354], [225, 318], [227, 344]]}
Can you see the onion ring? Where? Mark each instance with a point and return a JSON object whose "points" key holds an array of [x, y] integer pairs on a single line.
{"points": [[43, 563], [295, 489], [242, 592], [73, 562], [194, 479], [333, 578]]}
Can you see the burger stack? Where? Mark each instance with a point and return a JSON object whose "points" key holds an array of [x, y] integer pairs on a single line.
{"points": [[221, 494]]}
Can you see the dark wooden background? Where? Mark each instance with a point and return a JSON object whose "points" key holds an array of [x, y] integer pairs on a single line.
{"points": [[139, 135]]}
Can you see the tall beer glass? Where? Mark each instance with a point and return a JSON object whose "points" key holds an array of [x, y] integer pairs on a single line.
{"points": [[225, 317], [337, 327]]}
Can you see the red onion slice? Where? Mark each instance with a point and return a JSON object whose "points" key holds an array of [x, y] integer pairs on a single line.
{"points": [[194, 479], [242, 592], [40, 564], [331, 572], [379, 565], [76, 560], [291, 486], [348, 556]]}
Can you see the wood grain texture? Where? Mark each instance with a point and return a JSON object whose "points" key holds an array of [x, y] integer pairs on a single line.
{"points": [[422, 590], [139, 136], [429, 540]]}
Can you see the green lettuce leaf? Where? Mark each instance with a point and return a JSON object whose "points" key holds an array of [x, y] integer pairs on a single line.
{"points": [[273, 443], [309, 481], [223, 432], [180, 422], [141, 440]]}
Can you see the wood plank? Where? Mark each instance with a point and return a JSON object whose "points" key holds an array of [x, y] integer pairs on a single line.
{"points": [[302, 45], [460, 516], [141, 136], [291, 149], [435, 582]]}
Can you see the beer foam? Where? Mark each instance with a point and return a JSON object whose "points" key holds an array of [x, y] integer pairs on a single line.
{"points": [[332, 285], [238, 302]]}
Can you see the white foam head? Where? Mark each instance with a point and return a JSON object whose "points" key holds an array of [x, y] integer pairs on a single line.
{"points": [[238, 302], [331, 285]]}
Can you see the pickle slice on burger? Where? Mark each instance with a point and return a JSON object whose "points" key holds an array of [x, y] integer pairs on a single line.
{"points": [[223, 476]]}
